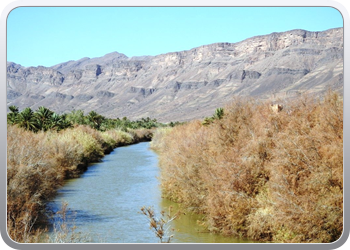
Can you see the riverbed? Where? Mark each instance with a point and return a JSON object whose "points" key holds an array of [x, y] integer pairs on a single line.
{"points": [[104, 203]]}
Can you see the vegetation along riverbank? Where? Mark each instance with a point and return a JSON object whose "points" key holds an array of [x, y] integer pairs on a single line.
{"points": [[268, 175], [44, 149]]}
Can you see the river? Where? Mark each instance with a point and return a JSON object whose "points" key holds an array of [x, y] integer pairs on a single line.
{"points": [[104, 203]]}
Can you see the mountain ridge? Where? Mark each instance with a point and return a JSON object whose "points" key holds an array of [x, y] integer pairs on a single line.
{"points": [[187, 84]]}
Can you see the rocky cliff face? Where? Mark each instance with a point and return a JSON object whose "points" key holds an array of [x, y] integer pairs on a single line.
{"points": [[188, 84]]}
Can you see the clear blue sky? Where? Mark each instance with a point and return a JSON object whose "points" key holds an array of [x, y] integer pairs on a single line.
{"points": [[51, 35]]}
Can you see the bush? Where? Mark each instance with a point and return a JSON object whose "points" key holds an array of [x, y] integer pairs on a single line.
{"points": [[260, 174], [38, 163], [32, 178], [158, 138]]}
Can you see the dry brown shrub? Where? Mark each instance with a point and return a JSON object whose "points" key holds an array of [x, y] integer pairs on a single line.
{"points": [[158, 138], [142, 134], [38, 163], [32, 177], [181, 178], [307, 171], [260, 174], [92, 140]]}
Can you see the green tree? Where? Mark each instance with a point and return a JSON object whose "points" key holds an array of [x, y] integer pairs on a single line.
{"points": [[219, 113], [59, 122], [26, 119], [77, 117], [42, 118], [13, 115], [95, 120]]}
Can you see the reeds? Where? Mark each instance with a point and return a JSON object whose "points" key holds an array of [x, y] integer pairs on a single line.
{"points": [[260, 174]]}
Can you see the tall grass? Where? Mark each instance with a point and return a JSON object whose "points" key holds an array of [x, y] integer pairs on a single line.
{"points": [[38, 163], [259, 174]]}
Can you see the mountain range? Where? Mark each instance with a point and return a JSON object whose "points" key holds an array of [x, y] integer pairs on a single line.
{"points": [[185, 85]]}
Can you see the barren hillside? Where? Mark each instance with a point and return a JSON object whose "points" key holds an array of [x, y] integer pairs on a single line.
{"points": [[187, 84]]}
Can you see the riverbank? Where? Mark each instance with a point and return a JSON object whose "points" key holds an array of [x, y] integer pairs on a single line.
{"points": [[104, 204], [38, 164], [258, 173]]}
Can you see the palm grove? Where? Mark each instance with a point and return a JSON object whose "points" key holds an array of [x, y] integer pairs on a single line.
{"points": [[43, 119]]}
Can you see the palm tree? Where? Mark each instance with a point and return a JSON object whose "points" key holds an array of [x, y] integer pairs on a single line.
{"points": [[76, 117], [59, 122], [95, 119], [12, 116], [26, 119], [13, 109], [219, 113], [65, 122], [43, 118]]}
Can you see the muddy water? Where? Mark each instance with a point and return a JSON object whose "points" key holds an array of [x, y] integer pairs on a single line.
{"points": [[104, 203]]}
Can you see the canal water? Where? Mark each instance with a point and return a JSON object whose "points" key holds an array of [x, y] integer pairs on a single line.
{"points": [[104, 203]]}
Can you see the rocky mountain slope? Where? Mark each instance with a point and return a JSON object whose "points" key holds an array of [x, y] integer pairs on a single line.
{"points": [[188, 84]]}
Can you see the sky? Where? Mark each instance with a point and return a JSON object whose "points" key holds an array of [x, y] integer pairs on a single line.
{"points": [[51, 35]]}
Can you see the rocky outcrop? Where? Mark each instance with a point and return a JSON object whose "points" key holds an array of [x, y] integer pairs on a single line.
{"points": [[186, 84]]}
